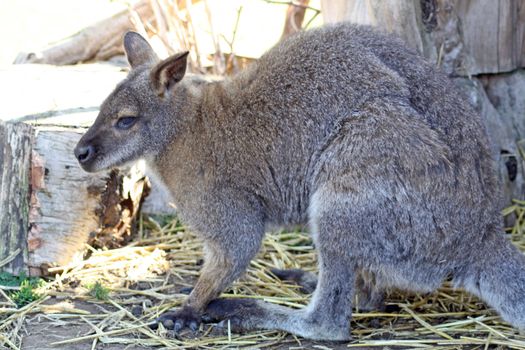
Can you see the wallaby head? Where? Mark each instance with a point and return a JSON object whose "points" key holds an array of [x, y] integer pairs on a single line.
{"points": [[140, 115]]}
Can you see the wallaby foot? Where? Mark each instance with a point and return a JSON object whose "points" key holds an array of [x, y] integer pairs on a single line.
{"points": [[179, 319], [238, 314], [304, 279], [327, 317], [221, 266], [242, 315]]}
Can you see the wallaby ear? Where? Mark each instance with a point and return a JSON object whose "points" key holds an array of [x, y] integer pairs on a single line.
{"points": [[138, 50], [169, 72]]}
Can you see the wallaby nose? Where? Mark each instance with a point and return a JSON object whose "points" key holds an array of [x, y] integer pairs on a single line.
{"points": [[84, 154]]}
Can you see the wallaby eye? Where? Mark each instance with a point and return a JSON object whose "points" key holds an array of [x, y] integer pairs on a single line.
{"points": [[126, 122]]}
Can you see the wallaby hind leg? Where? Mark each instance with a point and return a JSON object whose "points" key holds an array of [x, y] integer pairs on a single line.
{"points": [[498, 278], [369, 293]]}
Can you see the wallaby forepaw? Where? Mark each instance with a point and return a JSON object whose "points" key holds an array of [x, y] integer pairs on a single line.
{"points": [[179, 319]]}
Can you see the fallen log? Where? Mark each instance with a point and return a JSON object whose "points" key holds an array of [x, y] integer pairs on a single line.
{"points": [[98, 42]]}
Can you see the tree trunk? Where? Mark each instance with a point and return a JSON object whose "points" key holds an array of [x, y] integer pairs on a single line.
{"points": [[481, 36], [15, 155], [53, 208]]}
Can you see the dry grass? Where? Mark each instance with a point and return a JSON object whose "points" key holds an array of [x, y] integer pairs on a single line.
{"points": [[145, 278]]}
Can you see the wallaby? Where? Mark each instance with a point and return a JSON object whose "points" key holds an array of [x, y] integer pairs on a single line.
{"points": [[340, 127]]}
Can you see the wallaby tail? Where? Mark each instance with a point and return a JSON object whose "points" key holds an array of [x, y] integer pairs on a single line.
{"points": [[498, 278]]}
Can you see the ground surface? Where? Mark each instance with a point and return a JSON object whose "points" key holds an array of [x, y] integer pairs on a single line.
{"points": [[149, 277], [41, 331]]}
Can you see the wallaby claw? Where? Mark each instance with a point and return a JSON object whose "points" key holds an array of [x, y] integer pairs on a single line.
{"points": [[194, 326], [179, 319]]}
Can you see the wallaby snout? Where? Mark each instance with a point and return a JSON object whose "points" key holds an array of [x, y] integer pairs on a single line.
{"points": [[92, 150], [84, 153]]}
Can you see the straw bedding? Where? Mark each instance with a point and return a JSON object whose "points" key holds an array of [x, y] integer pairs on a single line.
{"points": [[151, 275]]}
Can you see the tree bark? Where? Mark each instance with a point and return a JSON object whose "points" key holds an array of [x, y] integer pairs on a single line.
{"points": [[494, 33], [15, 156], [468, 37], [53, 207]]}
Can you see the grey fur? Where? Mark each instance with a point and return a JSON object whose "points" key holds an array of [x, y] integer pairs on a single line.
{"points": [[341, 127]]}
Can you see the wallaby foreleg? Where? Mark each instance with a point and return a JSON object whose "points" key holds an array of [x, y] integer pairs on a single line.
{"points": [[226, 256]]}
